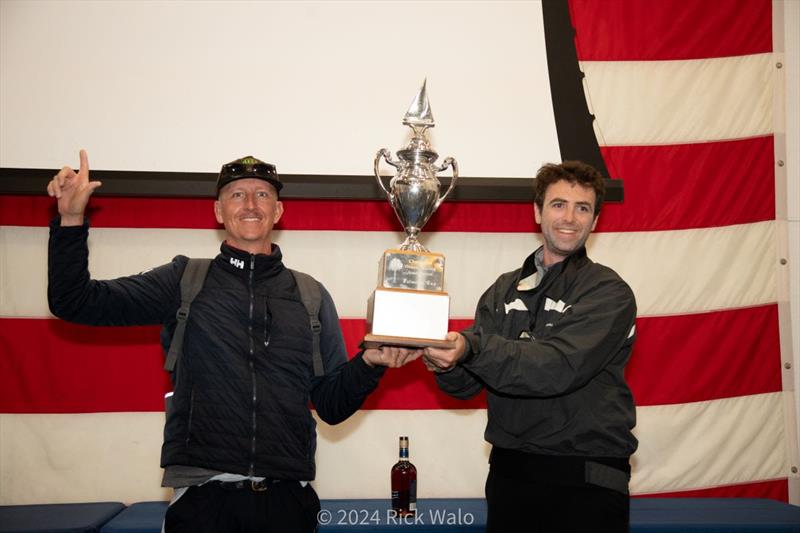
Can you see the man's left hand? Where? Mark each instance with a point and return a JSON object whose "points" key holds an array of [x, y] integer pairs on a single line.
{"points": [[391, 356]]}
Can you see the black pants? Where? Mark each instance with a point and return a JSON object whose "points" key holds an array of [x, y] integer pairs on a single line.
{"points": [[211, 508], [551, 495]]}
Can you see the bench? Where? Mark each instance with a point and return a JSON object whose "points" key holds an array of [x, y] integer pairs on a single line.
{"points": [[58, 517], [648, 515]]}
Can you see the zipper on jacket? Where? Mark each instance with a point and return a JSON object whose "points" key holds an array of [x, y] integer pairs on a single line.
{"points": [[252, 363], [191, 412], [267, 323]]}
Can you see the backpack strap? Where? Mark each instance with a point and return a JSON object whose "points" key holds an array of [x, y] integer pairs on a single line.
{"points": [[194, 275], [311, 296]]}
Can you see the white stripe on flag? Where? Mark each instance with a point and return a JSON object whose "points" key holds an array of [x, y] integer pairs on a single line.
{"points": [[671, 272], [102, 456], [672, 102], [707, 444]]}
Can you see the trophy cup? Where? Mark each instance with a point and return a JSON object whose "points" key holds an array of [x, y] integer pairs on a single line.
{"points": [[409, 306]]}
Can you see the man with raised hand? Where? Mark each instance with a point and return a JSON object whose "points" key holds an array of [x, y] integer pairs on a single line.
{"points": [[239, 439]]}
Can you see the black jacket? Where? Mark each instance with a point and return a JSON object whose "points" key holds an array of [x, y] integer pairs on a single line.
{"points": [[245, 380], [552, 360]]}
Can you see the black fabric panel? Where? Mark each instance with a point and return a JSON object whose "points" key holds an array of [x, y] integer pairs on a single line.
{"points": [[576, 137]]}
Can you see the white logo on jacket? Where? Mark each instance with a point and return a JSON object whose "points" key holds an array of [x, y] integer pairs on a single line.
{"points": [[517, 305], [550, 305], [238, 263]]}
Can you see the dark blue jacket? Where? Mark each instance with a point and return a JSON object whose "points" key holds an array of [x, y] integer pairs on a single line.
{"points": [[245, 380]]}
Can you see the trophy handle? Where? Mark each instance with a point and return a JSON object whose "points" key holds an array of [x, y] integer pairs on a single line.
{"points": [[387, 155], [448, 162]]}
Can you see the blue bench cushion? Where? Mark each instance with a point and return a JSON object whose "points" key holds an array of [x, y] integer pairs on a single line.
{"points": [[713, 515], [57, 517], [648, 515], [144, 517]]}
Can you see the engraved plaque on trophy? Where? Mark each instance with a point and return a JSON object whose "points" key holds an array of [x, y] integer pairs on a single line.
{"points": [[409, 307]]}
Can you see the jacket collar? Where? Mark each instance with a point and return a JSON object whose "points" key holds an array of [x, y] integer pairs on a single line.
{"points": [[569, 264], [240, 261]]}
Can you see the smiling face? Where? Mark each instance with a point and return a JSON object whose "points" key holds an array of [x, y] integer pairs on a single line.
{"points": [[249, 208], [566, 217]]}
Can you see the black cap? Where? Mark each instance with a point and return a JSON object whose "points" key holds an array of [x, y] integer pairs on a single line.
{"points": [[248, 167]]}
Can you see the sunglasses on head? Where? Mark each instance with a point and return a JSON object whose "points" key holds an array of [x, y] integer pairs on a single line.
{"points": [[258, 170]]}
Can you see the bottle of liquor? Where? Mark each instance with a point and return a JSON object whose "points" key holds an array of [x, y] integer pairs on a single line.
{"points": [[404, 483]]}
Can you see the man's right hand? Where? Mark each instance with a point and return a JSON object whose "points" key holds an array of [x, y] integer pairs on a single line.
{"points": [[72, 189], [445, 359]]}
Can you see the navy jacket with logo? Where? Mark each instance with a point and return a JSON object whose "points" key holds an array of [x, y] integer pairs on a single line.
{"points": [[245, 380]]}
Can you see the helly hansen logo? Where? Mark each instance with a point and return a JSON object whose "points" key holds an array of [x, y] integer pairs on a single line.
{"points": [[238, 263]]}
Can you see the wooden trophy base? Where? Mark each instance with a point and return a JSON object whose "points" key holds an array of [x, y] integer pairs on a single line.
{"points": [[376, 341]]}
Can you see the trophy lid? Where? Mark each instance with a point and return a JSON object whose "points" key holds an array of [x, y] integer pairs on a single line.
{"points": [[419, 115]]}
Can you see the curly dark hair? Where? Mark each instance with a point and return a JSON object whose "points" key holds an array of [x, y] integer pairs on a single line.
{"points": [[573, 172]]}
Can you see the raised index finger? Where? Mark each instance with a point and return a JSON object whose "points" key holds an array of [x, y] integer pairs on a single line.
{"points": [[84, 170]]}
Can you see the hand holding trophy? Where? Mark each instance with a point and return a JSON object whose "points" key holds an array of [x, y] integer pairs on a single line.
{"points": [[409, 307]]}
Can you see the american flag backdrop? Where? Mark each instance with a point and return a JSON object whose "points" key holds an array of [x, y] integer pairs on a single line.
{"points": [[684, 93]]}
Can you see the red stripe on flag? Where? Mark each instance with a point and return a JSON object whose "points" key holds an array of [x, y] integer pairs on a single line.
{"points": [[637, 30], [50, 366], [776, 489], [691, 185], [691, 358], [666, 188], [321, 215]]}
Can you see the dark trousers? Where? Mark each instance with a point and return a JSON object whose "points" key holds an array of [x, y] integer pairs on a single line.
{"points": [[542, 501], [214, 508]]}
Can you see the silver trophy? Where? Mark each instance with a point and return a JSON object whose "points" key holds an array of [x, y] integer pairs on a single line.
{"points": [[409, 307], [414, 191]]}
